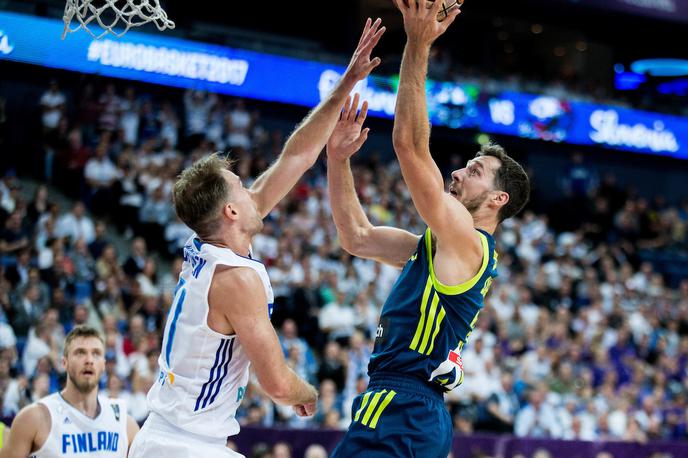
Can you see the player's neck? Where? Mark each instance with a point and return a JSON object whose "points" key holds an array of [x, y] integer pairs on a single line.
{"points": [[485, 221], [86, 403], [239, 243]]}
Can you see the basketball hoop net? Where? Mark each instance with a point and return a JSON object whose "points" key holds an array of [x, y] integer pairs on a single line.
{"points": [[111, 14]]}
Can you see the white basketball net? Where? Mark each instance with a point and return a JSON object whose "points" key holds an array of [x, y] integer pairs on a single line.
{"points": [[111, 14]]}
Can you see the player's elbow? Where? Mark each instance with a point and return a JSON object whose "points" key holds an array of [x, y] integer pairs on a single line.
{"points": [[400, 140], [354, 243], [404, 145], [348, 244]]}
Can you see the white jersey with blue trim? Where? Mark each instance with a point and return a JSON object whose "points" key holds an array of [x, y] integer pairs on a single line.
{"points": [[203, 374], [73, 434]]}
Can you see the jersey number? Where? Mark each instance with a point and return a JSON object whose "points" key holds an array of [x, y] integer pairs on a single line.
{"points": [[175, 311]]}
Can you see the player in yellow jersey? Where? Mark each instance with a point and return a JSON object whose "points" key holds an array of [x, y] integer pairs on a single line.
{"points": [[447, 270]]}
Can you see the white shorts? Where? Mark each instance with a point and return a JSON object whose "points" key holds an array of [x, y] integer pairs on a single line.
{"points": [[159, 438]]}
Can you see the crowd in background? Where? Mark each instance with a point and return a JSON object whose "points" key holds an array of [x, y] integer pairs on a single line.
{"points": [[580, 338]]}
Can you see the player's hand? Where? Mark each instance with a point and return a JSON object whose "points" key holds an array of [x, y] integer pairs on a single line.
{"points": [[305, 410], [361, 64], [348, 135], [420, 20]]}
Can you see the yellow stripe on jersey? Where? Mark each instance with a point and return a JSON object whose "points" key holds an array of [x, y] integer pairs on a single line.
{"points": [[363, 404], [429, 322], [371, 407], [421, 322], [488, 282], [382, 407], [438, 323], [465, 286], [475, 320]]}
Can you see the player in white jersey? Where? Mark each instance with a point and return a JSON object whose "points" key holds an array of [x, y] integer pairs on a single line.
{"points": [[219, 320], [76, 422]]}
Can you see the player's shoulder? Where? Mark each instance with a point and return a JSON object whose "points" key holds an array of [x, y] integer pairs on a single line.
{"points": [[34, 417], [236, 277]]}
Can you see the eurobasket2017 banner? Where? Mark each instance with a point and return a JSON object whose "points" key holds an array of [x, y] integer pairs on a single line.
{"points": [[165, 60]]}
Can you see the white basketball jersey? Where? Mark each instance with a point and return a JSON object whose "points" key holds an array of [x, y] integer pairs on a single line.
{"points": [[203, 374], [74, 435]]}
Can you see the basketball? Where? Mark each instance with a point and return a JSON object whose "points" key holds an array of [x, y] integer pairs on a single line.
{"points": [[447, 6]]}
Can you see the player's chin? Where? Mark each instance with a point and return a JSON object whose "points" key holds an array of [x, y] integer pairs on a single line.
{"points": [[86, 382]]}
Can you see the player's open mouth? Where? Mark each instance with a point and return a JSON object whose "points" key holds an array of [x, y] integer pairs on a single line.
{"points": [[453, 193], [87, 372]]}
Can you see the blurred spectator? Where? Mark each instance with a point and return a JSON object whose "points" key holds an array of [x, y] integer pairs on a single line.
{"points": [[76, 225], [137, 260], [501, 407], [315, 451], [281, 450], [537, 419], [100, 174], [13, 237], [53, 106]]}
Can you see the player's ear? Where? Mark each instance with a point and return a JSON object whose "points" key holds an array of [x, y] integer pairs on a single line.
{"points": [[230, 211], [500, 198]]}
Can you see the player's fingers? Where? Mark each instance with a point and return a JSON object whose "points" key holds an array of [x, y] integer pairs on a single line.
{"points": [[372, 42], [345, 108], [374, 30], [366, 27], [310, 409], [435, 7], [361, 116], [451, 15], [373, 63], [354, 107], [369, 32], [362, 138]]}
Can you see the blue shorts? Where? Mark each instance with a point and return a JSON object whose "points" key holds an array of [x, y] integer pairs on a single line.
{"points": [[399, 416]]}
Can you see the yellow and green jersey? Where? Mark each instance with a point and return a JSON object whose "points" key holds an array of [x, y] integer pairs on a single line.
{"points": [[425, 323]]}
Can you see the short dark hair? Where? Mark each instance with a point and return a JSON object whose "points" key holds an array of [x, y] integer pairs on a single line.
{"points": [[81, 331], [510, 178], [199, 192]]}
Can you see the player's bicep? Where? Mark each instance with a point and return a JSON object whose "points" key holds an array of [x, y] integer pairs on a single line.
{"points": [[447, 217], [247, 312], [387, 245], [22, 433]]}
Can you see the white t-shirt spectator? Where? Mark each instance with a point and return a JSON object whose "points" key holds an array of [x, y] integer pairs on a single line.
{"points": [[35, 349], [264, 246], [52, 102], [102, 171], [7, 337], [176, 235], [197, 107], [82, 228], [537, 423], [129, 122], [338, 319]]}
